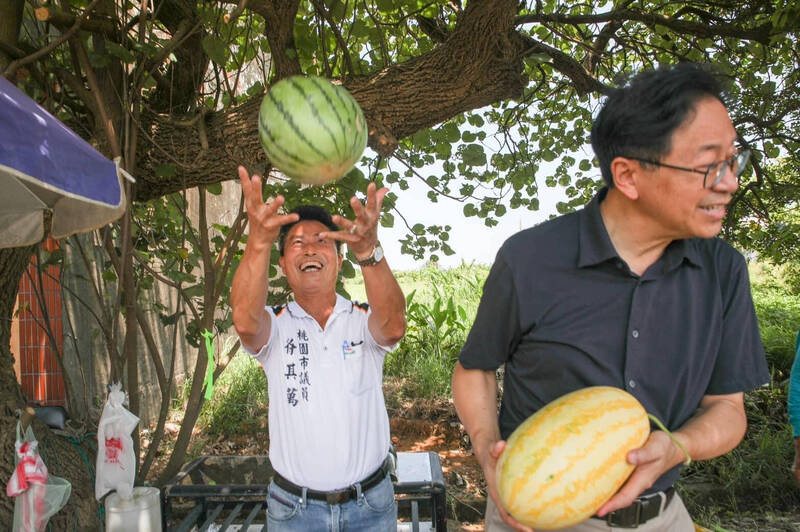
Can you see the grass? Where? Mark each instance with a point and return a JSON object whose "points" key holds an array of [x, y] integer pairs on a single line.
{"points": [[240, 400], [755, 475], [441, 306]]}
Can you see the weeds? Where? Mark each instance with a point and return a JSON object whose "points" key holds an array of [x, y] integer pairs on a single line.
{"points": [[240, 400], [439, 311]]}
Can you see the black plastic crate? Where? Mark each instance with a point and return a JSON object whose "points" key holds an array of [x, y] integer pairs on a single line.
{"points": [[229, 493]]}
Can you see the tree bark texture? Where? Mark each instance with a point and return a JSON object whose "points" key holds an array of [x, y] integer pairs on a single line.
{"points": [[479, 63]]}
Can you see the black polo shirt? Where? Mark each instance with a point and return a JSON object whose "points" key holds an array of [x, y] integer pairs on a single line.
{"points": [[563, 311]]}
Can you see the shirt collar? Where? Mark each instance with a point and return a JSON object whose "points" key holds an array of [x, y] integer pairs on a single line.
{"points": [[595, 244], [341, 305], [596, 247]]}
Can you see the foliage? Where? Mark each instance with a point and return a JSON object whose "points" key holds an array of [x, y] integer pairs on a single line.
{"points": [[778, 311], [491, 148], [170, 249], [769, 224], [240, 400], [753, 476], [439, 313]]}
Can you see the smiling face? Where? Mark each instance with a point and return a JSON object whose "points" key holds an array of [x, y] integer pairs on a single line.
{"points": [[675, 199], [310, 263]]}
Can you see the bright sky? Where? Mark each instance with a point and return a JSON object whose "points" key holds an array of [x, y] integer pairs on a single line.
{"points": [[469, 237]]}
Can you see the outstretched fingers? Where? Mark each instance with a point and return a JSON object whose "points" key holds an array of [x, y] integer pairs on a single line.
{"points": [[265, 222], [347, 232], [251, 188]]}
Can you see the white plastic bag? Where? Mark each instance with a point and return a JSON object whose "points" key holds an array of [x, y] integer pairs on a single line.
{"points": [[116, 462], [38, 494]]}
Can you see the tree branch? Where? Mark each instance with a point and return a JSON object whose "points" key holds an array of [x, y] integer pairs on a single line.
{"points": [[12, 68], [759, 34], [62, 20], [326, 16]]}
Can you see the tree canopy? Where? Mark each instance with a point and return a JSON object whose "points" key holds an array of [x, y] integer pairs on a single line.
{"points": [[467, 99]]}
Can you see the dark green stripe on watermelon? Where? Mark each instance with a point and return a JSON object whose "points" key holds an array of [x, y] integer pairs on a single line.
{"points": [[324, 89], [265, 130], [315, 111], [355, 111], [288, 118]]}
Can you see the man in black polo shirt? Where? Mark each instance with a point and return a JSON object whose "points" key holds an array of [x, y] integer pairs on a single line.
{"points": [[633, 291]]}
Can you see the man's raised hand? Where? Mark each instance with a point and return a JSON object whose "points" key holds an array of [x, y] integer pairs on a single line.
{"points": [[361, 234], [265, 222]]}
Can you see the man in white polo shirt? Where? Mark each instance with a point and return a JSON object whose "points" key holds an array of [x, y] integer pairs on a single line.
{"points": [[323, 357]]}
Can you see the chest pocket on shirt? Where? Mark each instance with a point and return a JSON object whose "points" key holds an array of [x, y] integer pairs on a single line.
{"points": [[361, 371]]}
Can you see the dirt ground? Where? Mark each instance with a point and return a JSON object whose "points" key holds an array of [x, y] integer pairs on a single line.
{"points": [[434, 426]]}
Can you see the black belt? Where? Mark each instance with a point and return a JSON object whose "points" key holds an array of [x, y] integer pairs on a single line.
{"points": [[642, 510], [337, 496]]}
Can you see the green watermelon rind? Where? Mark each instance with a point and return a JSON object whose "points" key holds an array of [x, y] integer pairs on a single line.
{"points": [[312, 130]]}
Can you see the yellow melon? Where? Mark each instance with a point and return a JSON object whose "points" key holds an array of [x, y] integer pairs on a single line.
{"points": [[566, 460]]}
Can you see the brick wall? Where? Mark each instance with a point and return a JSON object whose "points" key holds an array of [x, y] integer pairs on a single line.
{"points": [[39, 374]]}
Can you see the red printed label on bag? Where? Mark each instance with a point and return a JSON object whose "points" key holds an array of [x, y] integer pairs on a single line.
{"points": [[113, 450]]}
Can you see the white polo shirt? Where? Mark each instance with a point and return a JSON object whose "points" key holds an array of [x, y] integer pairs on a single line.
{"points": [[328, 425]]}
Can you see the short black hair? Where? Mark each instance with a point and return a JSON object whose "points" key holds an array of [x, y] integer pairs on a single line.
{"points": [[638, 119], [308, 212]]}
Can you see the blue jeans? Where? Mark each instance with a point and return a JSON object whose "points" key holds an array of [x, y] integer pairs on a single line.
{"points": [[371, 511]]}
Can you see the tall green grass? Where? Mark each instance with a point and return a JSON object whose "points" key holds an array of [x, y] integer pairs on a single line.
{"points": [[440, 309], [240, 400]]}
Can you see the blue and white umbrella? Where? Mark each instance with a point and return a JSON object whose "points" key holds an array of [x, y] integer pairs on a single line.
{"points": [[45, 166]]}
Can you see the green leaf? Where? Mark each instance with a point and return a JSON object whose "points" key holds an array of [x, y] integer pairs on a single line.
{"points": [[214, 188], [99, 60], [348, 272], [54, 258], [473, 155], [216, 49], [120, 52], [450, 132], [475, 120], [194, 290]]}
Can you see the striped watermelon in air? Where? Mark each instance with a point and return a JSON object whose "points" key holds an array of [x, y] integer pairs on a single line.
{"points": [[566, 460], [312, 130]]}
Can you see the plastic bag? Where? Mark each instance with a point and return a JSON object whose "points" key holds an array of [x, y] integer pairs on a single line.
{"points": [[116, 462], [38, 494]]}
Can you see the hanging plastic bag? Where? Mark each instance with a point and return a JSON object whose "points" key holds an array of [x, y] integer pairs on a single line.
{"points": [[116, 462], [38, 494]]}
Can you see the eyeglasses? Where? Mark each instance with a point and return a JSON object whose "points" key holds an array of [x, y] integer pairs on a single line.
{"points": [[714, 172]]}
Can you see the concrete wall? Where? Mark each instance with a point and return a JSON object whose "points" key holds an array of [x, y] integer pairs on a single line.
{"points": [[85, 350]]}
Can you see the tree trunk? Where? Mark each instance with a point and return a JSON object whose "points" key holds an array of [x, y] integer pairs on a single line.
{"points": [[60, 455]]}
